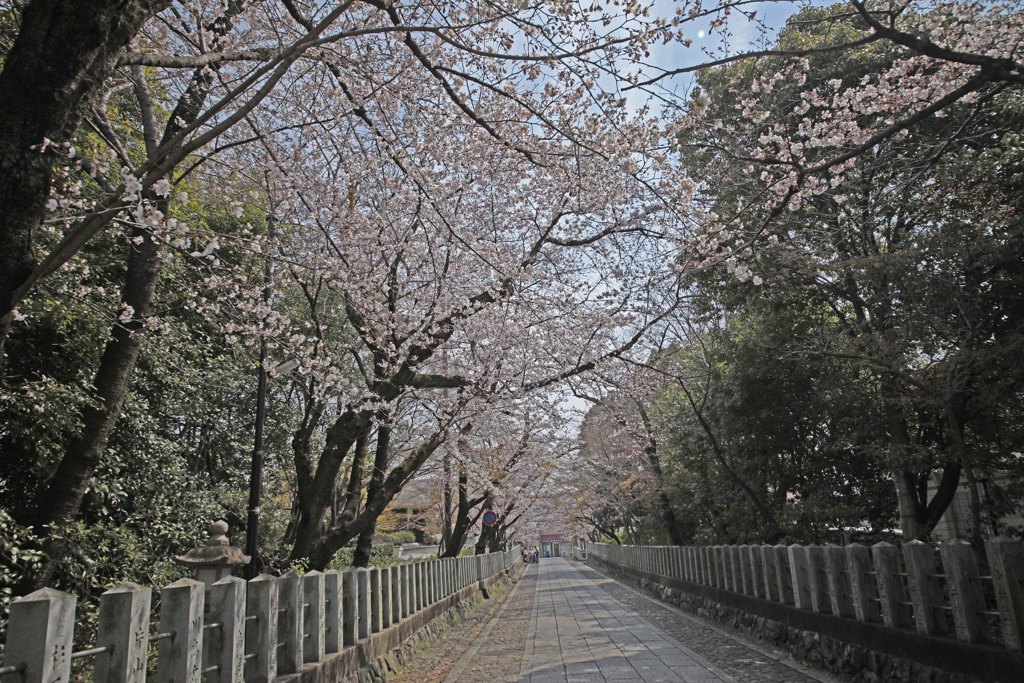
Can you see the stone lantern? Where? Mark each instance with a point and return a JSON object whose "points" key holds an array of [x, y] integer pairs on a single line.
{"points": [[215, 560]]}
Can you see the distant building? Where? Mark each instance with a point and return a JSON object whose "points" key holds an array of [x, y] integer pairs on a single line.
{"points": [[555, 544], [414, 507]]}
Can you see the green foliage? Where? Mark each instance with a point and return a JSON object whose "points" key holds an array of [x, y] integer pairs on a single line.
{"points": [[381, 555], [18, 556], [880, 343], [395, 537]]}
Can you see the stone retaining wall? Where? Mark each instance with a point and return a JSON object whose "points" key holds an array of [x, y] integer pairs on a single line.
{"points": [[861, 652]]}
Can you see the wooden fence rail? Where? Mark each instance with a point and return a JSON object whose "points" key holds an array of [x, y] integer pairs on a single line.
{"points": [[258, 631], [908, 586]]}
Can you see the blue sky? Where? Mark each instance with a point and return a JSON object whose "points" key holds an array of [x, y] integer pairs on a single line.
{"points": [[742, 35]]}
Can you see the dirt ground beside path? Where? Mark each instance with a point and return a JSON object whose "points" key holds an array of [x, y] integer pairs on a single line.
{"points": [[498, 658]]}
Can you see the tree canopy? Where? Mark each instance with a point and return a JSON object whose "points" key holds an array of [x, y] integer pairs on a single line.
{"points": [[783, 276]]}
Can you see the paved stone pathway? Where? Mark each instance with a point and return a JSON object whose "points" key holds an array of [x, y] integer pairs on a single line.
{"points": [[580, 634], [566, 623]]}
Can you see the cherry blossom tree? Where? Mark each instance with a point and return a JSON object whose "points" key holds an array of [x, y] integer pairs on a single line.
{"points": [[247, 79]]}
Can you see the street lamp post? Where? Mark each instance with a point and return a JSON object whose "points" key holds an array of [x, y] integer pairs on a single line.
{"points": [[256, 469]]}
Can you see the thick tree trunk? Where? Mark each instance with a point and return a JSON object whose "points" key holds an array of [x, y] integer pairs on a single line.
{"points": [[61, 500], [464, 517], [941, 500], [956, 434], [772, 530], [364, 545], [64, 50], [325, 545], [910, 508], [668, 515], [446, 504], [481, 543], [349, 429], [63, 497]]}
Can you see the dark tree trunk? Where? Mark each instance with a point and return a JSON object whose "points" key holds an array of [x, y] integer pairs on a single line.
{"points": [[64, 50], [446, 504], [61, 500], [485, 537], [668, 515], [325, 545], [364, 545], [349, 429], [464, 517]]}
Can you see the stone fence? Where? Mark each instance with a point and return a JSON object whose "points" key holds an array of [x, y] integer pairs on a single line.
{"points": [[899, 599], [312, 627]]}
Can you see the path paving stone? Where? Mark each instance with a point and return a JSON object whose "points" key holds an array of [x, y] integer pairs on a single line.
{"points": [[738, 656], [566, 623]]}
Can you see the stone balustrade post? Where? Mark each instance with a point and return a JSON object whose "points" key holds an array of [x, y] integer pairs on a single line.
{"points": [[965, 595], [226, 644], [722, 566], [363, 600], [1006, 562], [406, 583], [314, 617], [784, 575], [123, 630], [770, 571], [180, 655], [925, 593], [396, 595], [891, 594], [413, 593], [376, 601], [333, 618], [385, 597], [838, 581], [39, 636], [755, 560], [744, 585], [410, 570], [863, 587], [261, 607], [349, 607], [289, 623], [735, 568], [799, 568], [421, 598], [818, 578]]}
